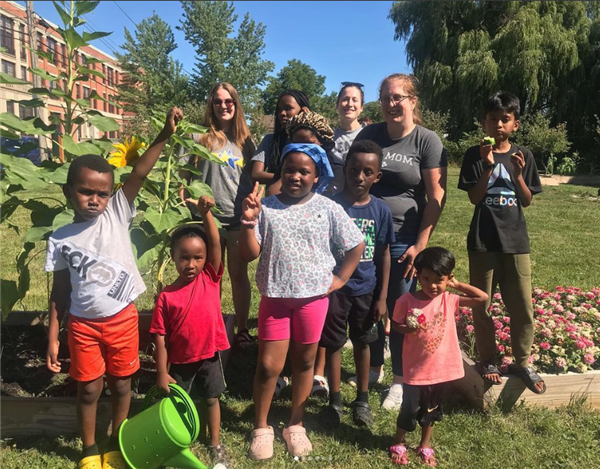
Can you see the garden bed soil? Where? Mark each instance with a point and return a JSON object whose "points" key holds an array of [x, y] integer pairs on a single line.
{"points": [[561, 389]]}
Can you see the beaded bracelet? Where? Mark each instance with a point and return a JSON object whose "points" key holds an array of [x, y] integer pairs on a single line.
{"points": [[248, 222]]}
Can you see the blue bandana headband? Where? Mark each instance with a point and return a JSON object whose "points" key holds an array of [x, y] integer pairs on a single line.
{"points": [[318, 155]]}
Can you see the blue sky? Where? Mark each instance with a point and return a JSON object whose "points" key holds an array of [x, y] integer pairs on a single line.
{"points": [[345, 41]]}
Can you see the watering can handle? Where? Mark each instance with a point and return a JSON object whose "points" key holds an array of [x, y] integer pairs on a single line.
{"points": [[153, 393]]}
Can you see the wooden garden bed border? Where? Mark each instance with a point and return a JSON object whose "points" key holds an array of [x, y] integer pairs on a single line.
{"points": [[56, 416], [561, 389]]}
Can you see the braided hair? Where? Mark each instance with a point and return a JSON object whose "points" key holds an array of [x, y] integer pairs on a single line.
{"points": [[314, 122], [280, 136]]}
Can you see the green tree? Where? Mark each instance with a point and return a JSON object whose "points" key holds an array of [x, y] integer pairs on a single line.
{"points": [[540, 51], [295, 75], [222, 55], [152, 79], [372, 110]]}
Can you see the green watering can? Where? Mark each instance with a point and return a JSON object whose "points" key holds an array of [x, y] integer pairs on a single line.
{"points": [[161, 434]]}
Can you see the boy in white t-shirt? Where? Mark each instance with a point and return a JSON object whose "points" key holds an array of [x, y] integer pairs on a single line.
{"points": [[96, 280]]}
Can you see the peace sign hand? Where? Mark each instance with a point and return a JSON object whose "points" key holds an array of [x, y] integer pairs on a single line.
{"points": [[252, 205]]}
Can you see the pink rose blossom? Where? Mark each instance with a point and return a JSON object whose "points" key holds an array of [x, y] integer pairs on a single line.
{"points": [[561, 362], [500, 348], [545, 345], [470, 328]]}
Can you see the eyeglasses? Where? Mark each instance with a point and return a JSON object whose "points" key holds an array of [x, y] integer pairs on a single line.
{"points": [[352, 83], [394, 99], [228, 102]]}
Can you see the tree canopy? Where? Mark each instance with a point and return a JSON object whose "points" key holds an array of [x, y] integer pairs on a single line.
{"points": [[547, 53]]}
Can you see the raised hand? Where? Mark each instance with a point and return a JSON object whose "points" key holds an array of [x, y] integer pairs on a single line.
{"points": [[173, 117], [203, 204], [485, 150], [252, 205]]}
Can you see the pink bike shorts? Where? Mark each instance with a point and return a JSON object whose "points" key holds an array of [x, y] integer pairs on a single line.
{"points": [[300, 319]]}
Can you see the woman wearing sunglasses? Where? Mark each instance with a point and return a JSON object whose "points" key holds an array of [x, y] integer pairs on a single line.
{"points": [[414, 187], [350, 101], [228, 138]]}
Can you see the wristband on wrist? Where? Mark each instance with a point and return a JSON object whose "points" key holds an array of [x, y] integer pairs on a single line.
{"points": [[243, 221]]}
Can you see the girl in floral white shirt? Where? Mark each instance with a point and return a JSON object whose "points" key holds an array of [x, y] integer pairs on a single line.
{"points": [[294, 231]]}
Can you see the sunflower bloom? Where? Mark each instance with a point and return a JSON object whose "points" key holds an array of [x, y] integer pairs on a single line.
{"points": [[126, 153]]}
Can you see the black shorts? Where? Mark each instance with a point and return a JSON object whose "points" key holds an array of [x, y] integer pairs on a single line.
{"points": [[421, 404], [353, 311], [206, 376]]}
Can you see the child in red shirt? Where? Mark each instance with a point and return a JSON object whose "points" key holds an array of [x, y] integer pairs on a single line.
{"points": [[188, 325], [431, 355]]}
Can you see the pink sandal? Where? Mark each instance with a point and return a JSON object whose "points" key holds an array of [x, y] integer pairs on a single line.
{"points": [[261, 444], [426, 455], [400, 450], [296, 441]]}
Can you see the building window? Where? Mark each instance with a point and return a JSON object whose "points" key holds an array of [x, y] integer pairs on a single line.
{"points": [[23, 73], [111, 77], [25, 112], [7, 34], [8, 68], [52, 84], [86, 93], [65, 60], [77, 92], [23, 41], [52, 47], [104, 73], [104, 104], [10, 107], [111, 107], [40, 42]]}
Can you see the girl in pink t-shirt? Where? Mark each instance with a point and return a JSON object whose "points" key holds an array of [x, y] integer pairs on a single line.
{"points": [[431, 355]]}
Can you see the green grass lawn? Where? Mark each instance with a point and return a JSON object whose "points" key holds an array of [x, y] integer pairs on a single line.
{"points": [[564, 227]]}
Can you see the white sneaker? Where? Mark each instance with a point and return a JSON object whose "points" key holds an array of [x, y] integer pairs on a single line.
{"points": [[393, 400], [374, 378]]}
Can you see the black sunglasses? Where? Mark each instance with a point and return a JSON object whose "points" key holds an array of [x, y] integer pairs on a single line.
{"points": [[352, 83]]}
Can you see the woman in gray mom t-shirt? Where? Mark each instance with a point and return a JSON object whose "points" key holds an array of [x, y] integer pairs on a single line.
{"points": [[414, 187]]}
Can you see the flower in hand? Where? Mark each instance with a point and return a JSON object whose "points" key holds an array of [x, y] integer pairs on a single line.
{"points": [[416, 319]]}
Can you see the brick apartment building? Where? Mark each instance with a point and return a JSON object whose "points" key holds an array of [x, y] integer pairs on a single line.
{"points": [[14, 33]]}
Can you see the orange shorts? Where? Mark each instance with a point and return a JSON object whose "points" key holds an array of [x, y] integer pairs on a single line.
{"points": [[108, 345]]}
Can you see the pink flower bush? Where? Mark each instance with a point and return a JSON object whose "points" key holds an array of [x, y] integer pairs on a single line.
{"points": [[566, 328]]}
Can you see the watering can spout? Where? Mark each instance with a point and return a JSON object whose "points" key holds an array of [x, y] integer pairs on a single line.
{"points": [[185, 460]]}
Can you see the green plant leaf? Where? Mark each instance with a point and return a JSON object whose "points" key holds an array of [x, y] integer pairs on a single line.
{"points": [[9, 296], [191, 169], [31, 102], [189, 128], [41, 91], [22, 171], [79, 149], [90, 71], [43, 54], [146, 246], [85, 103], [40, 127], [59, 175], [103, 123], [8, 134], [42, 73], [164, 221], [95, 35], [10, 80], [105, 144], [37, 234], [93, 60], [81, 8], [63, 218], [184, 141], [198, 189], [199, 150], [64, 16], [73, 38]]}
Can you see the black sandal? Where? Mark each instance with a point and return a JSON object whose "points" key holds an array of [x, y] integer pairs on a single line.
{"points": [[331, 416], [361, 413], [243, 339], [529, 378], [488, 368], [218, 455]]}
